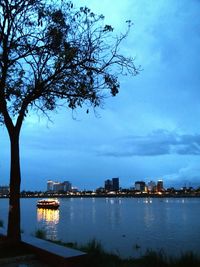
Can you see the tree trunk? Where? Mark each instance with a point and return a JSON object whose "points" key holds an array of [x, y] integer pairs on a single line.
{"points": [[13, 230]]}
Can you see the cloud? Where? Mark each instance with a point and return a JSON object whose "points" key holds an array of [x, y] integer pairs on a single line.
{"points": [[160, 142], [185, 176]]}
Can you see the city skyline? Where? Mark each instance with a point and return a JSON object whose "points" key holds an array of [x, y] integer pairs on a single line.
{"points": [[111, 184], [147, 182], [149, 130], [132, 183]]}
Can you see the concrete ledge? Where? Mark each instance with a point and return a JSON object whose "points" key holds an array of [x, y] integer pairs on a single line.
{"points": [[54, 254], [51, 247]]}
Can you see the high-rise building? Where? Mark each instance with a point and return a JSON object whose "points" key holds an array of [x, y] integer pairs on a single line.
{"points": [[151, 186], [112, 185], [59, 186], [115, 184], [140, 186], [4, 190], [108, 185], [50, 185], [160, 187], [67, 186]]}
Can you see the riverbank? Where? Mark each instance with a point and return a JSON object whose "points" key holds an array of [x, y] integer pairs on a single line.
{"points": [[98, 257]]}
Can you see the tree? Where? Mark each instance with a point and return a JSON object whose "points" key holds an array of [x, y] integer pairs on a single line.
{"points": [[51, 55]]}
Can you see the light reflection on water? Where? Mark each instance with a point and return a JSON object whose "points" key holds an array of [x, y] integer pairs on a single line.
{"points": [[48, 220]]}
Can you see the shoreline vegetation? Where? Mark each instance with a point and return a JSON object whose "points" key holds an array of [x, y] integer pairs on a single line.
{"points": [[98, 257]]}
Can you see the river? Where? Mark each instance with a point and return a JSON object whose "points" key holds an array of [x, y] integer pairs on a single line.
{"points": [[126, 226]]}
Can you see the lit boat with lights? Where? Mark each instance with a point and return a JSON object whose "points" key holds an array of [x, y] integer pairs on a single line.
{"points": [[48, 204]]}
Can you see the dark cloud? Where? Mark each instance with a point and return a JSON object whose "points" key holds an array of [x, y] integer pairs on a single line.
{"points": [[157, 143]]}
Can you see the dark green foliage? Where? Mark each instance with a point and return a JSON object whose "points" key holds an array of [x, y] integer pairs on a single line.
{"points": [[187, 259], [153, 258], [52, 51], [160, 259]]}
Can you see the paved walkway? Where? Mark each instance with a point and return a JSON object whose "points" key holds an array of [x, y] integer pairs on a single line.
{"points": [[22, 261]]}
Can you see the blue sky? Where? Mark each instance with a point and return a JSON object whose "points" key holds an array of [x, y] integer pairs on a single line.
{"points": [[150, 130]]}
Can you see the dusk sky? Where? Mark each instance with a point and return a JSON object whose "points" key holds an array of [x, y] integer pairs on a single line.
{"points": [[149, 131]]}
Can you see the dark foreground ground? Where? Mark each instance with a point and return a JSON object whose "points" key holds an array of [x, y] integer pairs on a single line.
{"points": [[17, 255]]}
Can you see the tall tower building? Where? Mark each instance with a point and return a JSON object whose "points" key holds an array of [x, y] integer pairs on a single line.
{"points": [[67, 186], [50, 185], [140, 186], [112, 185], [108, 185], [59, 186], [115, 184], [151, 186], [160, 187]]}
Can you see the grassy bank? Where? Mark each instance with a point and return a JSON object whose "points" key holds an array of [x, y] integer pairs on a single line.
{"points": [[98, 257]]}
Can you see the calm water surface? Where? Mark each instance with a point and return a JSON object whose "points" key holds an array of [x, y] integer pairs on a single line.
{"points": [[127, 226]]}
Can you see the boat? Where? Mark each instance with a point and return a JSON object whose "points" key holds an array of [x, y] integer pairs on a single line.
{"points": [[48, 204]]}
